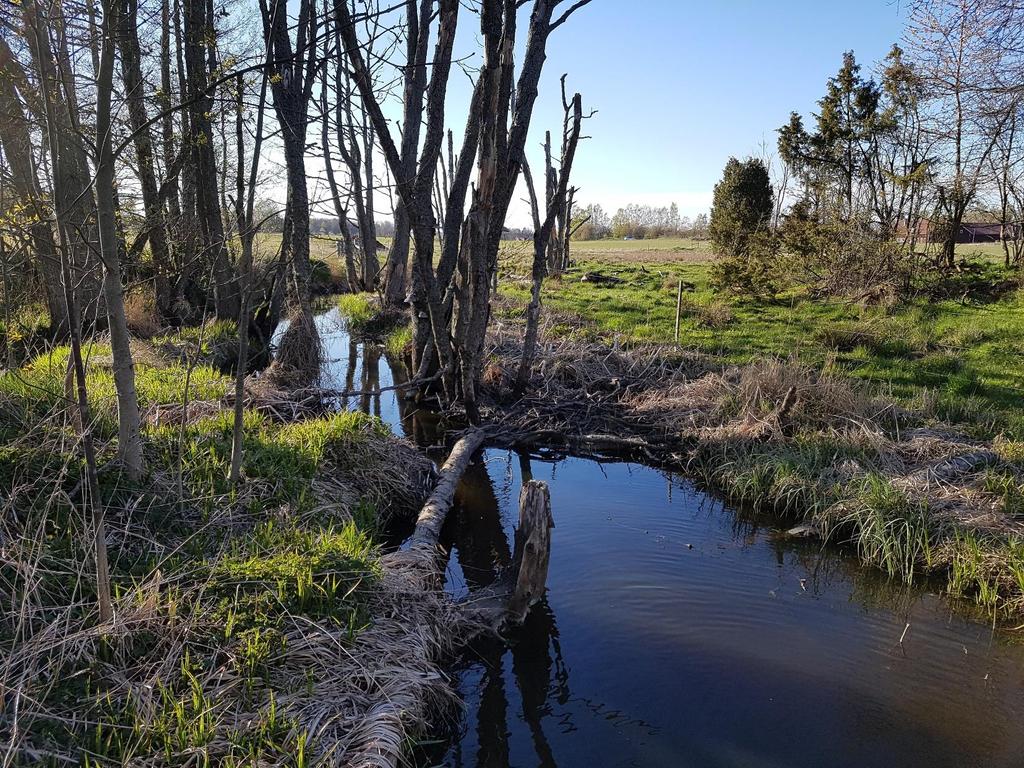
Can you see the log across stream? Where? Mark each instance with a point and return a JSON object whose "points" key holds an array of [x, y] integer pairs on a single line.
{"points": [[679, 631]]}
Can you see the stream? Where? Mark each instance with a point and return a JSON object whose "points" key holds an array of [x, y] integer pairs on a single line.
{"points": [[678, 630]]}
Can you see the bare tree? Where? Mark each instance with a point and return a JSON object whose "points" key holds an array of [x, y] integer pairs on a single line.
{"points": [[497, 126], [558, 187], [129, 423], [949, 40], [135, 96], [16, 142], [248, 227], [54, 130], [293, 74], [199, 45]]}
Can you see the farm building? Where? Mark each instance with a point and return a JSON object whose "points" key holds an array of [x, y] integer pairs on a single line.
{"points": [[970, 232]]}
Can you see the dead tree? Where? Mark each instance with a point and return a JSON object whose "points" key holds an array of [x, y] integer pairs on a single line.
{"points": [[504, 125], [558, 184]]}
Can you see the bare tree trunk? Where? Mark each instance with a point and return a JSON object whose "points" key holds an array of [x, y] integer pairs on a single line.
{"points": [[168, 154], [16, 140], [293, 76], [198, 47], [129, 444], [417, 40], [542, 235], [52, 63], [340, 210], [131, 73], [94, 501], [245, 200]]}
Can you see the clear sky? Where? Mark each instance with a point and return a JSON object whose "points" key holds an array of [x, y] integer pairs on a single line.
{"points": [[680, 86]]}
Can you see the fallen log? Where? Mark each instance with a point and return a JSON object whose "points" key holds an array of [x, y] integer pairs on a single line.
{"points": [[432, 516], [415, 574], [600, 279]]}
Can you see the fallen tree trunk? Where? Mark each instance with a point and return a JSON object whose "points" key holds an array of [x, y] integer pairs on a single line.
{"points": [[413, 573], [432, 516], [416, 573]]}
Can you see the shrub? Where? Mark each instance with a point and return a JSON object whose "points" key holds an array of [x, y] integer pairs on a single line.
{"points": [[742, 206], [752, 271], [141, 315]]}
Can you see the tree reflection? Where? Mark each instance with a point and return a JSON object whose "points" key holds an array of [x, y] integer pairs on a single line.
{"points": [[533, 652]]}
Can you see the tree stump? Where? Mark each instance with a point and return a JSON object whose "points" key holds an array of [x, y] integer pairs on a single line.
{"points": [[532, 549]]}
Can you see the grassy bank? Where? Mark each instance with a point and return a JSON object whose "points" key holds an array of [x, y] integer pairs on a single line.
{"points": [[896, 429], [959, 359], [254, 625], [814, 447]]}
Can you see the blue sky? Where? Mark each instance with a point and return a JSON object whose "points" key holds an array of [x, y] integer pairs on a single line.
{"points": [[681, 86]]}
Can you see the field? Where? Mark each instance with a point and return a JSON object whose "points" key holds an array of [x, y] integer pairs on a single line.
{"points": [[958, 360]]}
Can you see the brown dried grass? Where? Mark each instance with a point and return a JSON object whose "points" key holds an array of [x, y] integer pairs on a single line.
{"points": [[299, 354], [141, 314]]}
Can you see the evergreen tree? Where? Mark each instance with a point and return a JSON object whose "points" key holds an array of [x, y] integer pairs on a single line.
{"points": [[742, 206], [740, 232]]}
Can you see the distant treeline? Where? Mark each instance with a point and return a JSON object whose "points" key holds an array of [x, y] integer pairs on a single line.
{"points": [[638, 222], [384, 228]]}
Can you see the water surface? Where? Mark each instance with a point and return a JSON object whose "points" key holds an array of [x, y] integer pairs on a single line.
{"points": [[678, 631]]}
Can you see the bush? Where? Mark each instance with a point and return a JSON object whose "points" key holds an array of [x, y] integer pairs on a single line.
{"points": [[752, 271]]}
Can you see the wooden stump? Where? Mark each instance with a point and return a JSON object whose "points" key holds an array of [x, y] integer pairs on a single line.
{"points": [[532, 549]]}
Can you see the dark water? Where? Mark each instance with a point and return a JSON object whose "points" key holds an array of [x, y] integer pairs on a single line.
{"points": [[677, 631], [746, 650]]}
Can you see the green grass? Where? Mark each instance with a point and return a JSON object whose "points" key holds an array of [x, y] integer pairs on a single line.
{"points": [[357, 309], [963, 362], [236, 569], [891, 531], [398, 341], [38, 387]]}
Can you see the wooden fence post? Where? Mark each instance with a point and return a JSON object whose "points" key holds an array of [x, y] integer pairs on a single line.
{"points": [[679, 307]]}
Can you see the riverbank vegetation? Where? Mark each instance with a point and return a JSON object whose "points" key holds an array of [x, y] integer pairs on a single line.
{"points": [[956, 356], [246, 615], [912, 493], [192, 526]]}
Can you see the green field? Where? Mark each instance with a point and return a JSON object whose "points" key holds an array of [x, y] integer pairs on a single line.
{"points": [[961, 361]]}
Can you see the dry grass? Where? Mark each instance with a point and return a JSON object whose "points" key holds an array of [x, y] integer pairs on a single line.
{"points": [[141, 314], [781, 434], [299, 354]]}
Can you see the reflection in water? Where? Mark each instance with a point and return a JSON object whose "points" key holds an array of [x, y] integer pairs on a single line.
{"points": [[362, 367], [679, 632]]}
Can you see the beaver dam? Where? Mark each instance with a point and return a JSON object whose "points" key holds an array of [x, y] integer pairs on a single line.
{"points": [[680, 630]]}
